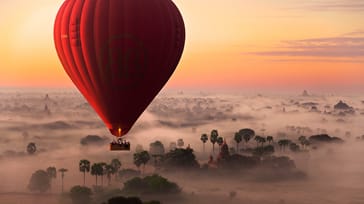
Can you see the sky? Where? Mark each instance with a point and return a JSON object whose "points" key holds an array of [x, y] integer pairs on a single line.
{"points": [[233, 44]]}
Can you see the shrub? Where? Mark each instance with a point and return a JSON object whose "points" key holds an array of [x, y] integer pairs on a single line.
{"points": [[80, 195], [180, 159], [154, 184], [263, 151], [130, 200], [40, 181]]}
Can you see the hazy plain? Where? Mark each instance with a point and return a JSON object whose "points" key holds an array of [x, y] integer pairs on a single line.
{"points": [[335, 173]]}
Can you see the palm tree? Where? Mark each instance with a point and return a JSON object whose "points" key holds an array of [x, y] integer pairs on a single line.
{"points": [[204, 138], [144, 158], [302, 140], [116, 164], [280, 143], [247, 134], [137, 160], [84, 167], [220, 141], [141, 158], [213, 138], [103, 172], [307, 143], [52, 172], [62, 170], [238, 138], [283, 143], [269, 139], [262, 140], [109, 170], [258, 139], [96, 170], [294, 147]]}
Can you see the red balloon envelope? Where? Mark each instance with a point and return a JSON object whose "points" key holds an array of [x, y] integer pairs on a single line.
{"points": [[119, 53]]}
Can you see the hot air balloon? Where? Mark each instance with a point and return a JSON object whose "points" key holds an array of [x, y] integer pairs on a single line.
{"points": [[119, 53]]}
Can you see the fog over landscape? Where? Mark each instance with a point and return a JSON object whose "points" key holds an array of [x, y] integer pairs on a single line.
{"points": [[58, 121], [241, 102]]}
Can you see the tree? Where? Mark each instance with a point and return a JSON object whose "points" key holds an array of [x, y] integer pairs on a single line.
{"points": [[84, 167], [156, 149], [103, 172], [204, 139], [238, 138], [80, 195], [302, 139], [247, 134], [96, 170], [124, 200], [269, 139], [220, 141], [262, 140], [116, 164], [283, 143], [224, 153], [52, 173], [258, 139], [31, 148], [154, 184], [180, 159], [63, 171], [109, 170], [180, 143], [130, 200], [141, 158], [294, 147], [263, 151], [307, 143], [213, 139], [40, 181]]}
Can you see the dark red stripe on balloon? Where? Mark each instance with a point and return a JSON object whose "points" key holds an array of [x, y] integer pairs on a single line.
{"points": [[66, 47], [89, 55], [77, 53]]}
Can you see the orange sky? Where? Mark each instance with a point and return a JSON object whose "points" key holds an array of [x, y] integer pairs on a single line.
{"points": [[230, 44]]}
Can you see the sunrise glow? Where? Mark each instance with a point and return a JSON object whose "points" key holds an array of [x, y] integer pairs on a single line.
{"points": [[230, 44]]}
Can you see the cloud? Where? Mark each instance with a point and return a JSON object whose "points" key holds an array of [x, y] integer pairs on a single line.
{"points": [[350, 47], [318, 60], [336, 5], [359, 32]]}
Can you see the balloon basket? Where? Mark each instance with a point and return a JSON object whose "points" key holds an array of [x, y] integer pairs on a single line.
{"points": [[119, 147]]}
